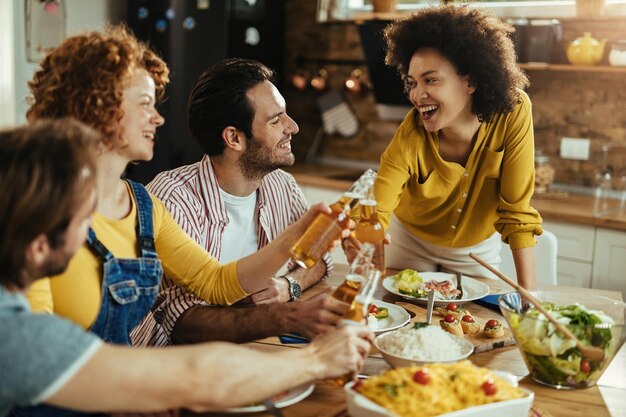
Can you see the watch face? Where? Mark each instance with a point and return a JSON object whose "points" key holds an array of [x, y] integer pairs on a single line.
{"points": [[295, 291], [294, 288]]}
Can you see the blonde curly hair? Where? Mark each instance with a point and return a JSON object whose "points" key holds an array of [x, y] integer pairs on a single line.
{"points": [[84, 77]]}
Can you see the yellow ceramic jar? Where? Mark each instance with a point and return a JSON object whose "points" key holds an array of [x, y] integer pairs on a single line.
{"points": [[585, 50]]}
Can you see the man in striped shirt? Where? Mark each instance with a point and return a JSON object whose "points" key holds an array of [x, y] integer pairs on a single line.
{"points": [[233, 202]]}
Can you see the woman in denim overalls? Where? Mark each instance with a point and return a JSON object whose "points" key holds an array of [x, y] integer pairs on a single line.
{"points": [[112, 82], [132, 284]]}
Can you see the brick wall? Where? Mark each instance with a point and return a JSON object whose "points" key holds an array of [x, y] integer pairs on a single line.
{"points": [[574, 104]]}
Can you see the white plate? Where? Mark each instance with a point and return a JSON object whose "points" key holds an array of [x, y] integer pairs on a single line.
{"points": [[397, 361], [359, 405], [294, 395], [398, 317], [472, 289]]}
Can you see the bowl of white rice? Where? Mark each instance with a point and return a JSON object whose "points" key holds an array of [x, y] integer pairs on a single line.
{"points": [[410, 346]]}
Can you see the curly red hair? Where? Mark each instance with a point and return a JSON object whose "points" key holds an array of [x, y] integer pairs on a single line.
{"points": [[84, 77]]}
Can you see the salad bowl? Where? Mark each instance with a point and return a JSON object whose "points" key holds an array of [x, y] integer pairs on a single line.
{"points": [[552, 358]]}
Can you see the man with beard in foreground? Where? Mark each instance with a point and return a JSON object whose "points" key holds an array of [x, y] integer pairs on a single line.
{"points": [[47, 186]]}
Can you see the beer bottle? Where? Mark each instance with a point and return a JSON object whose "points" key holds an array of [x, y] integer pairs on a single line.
{"points": [[359, 308], [325, 228], [369, 229], [359, 271]]}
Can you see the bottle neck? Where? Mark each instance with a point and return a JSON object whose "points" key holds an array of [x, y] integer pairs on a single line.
{"points": [[368, 209]]}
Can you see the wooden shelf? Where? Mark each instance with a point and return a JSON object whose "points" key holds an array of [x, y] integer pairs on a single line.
{"points": [[574, 68]]}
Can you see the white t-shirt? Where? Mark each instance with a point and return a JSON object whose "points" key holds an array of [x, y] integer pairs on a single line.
{"points": [[240, 236]]}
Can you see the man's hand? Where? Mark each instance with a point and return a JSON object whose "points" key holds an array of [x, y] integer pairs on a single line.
{"points": [[316, 315], [277, 292], [341, 351]]}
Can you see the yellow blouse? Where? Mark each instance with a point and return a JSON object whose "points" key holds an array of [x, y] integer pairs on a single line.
{"points": [[451, 205], [76, 293]]}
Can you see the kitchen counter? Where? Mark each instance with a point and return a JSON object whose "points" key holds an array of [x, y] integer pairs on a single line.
{"points": [[582, 209], [573, 208]]}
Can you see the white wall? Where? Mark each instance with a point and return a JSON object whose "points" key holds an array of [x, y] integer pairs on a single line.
{"points": [[7, 87], [15, 70]]}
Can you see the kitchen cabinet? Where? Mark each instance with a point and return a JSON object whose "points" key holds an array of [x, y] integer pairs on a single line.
{"points": [[573, 273], [609, 263], [589, 256]]}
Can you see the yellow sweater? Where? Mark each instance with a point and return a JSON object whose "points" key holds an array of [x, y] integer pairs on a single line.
{"points": [[76, 293], [450, 205]]}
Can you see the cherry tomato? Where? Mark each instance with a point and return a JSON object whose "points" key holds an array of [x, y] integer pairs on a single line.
{"points": [[452, 307], [468, 319], [489, 387], [492, 323], [585, 368], [449, 318], [373, 309], [421, 377]]}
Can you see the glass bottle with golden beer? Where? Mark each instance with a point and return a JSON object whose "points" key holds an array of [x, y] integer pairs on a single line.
{"points": [[359, 309], [359, 271], [369, 229], [325, 228]]}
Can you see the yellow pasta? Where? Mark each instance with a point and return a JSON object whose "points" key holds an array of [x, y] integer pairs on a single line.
{"points": [[449, 387]]}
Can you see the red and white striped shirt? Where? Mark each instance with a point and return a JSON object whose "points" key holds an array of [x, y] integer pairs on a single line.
{"points": [[191, 193]]}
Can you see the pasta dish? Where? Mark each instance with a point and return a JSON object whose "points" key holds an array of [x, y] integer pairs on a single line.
{"points": [[436, 389]]}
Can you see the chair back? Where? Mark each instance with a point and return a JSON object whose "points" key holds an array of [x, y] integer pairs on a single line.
{"points": [[545, 259]]}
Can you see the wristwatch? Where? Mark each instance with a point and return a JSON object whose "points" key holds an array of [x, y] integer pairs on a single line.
{"points": [[294, 288]]}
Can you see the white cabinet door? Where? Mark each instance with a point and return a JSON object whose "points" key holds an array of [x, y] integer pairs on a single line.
{"points": [[609, 264], [574, 273], [576, 241]]}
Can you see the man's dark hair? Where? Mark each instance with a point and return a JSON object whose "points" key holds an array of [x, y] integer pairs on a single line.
{"points": [[219, 100], [47, 170]]}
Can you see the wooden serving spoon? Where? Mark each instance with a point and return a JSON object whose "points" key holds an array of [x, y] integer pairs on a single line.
{"points": [[592, 353]]}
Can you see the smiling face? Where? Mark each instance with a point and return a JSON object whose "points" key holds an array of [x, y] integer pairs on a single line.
{"points": [[141, 118], [442, 97], [269, 148]]}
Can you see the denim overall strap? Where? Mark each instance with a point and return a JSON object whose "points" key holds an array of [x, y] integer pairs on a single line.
{"points": [[145, 227], [97, 247]]}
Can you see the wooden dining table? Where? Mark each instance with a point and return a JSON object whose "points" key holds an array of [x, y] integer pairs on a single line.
{"points": [[607, 398]]}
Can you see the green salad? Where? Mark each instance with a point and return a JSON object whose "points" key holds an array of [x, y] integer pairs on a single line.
{"points": [[409, 282], [554, 359]]}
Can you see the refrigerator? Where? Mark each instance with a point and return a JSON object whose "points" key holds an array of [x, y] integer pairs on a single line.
{"points": [[192, 35]]}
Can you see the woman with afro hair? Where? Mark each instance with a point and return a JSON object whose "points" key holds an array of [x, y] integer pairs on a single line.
{"points": [[460, 168]]}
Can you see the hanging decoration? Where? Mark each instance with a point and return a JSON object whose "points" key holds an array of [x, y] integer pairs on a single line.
{"points": [[45, 26]]}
